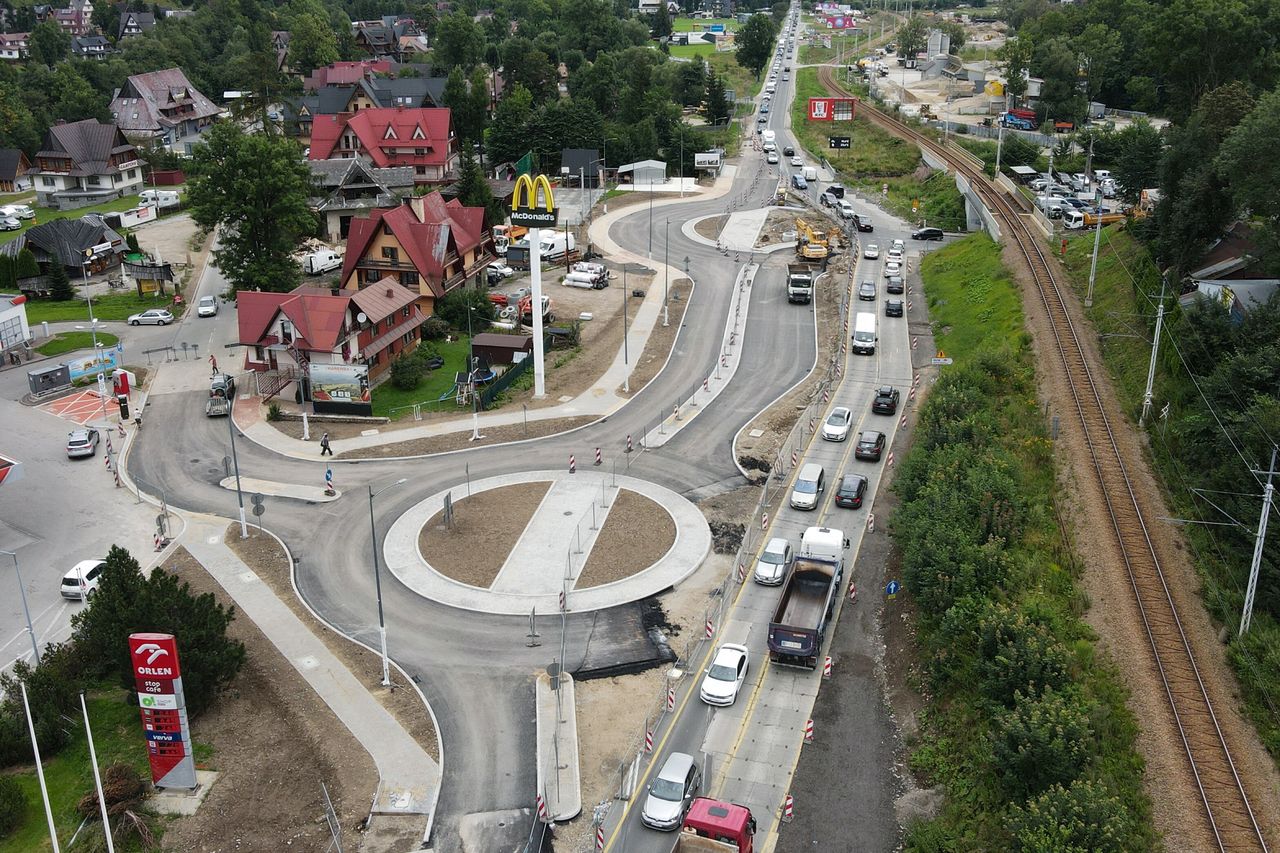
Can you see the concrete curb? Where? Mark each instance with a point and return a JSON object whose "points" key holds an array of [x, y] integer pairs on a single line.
{"points": [[690, 548], [315, 494], [559, 778]]}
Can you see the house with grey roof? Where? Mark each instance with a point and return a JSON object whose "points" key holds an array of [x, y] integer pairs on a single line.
{"points": [[90, 47], [347, 188], [85, 162], [135, 24], [84, 245], [162, 107]]}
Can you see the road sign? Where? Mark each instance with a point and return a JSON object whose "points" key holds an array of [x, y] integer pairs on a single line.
{"points": [[838, 141], [892, 588], [259, 509], [257, 499], [941, 358]]}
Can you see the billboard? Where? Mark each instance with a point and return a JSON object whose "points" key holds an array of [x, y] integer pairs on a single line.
{"points": [[340, 388], [103, 361], [157, 677], [706, 160], [831, 109], [842, 22]]}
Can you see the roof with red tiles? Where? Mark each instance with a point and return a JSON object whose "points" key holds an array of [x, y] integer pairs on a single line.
{"points": [[389, 136]]}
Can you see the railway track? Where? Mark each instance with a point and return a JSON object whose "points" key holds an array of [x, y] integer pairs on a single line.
{"points": [[1228, 813]]}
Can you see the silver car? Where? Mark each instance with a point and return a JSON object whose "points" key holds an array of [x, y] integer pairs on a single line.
{"points": [[671, 792], [154, 316], [82, 442], [774, 563], [9, 223], [207, 306]]}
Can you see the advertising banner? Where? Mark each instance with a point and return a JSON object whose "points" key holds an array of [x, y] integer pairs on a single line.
{"points": [[831, 109], [341, 388], [91, 365], [706, 160]]}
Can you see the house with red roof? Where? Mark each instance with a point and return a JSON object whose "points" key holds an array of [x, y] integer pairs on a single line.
{"points": [[285, 334], [345, 73], [386, 137], [427, 245]]}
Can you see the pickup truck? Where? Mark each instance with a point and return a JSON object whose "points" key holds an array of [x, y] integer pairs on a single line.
{"points": [[808, 599]]}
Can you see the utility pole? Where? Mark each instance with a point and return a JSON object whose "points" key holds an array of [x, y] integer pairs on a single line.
{"points": [[1247, 616], [1097, 243], [1151, 368], [999, 147]]}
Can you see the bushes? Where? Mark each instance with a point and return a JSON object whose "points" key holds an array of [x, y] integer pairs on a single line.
{"points": [[13, 805], [454, 307], [52, 688], [434, 329], [406, 372], [1041, 741], [1081, 818]]}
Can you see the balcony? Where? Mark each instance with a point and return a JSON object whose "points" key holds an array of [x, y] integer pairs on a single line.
{"points": [[385, 264]]}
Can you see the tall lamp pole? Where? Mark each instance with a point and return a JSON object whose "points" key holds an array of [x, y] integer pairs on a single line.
{"points": [[377, 580], [666, 273], [235, 461], [471, 374], [35, 648], [626, 359]]}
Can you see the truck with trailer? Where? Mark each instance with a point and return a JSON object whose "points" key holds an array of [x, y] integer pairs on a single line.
{"points": [[808, 599], [801, 279], [714, 826], [1017, 122]]}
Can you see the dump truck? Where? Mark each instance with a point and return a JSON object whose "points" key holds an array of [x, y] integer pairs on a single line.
{"points": [[714, 826], [801, 279], [808, 599]]}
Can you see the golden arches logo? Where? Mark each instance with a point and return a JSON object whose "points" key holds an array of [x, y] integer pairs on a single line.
{"points": [[525, 206]]}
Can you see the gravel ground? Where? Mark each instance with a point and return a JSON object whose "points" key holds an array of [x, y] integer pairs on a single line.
{"points": [[636, 533], [486, 526], [274, 741], [462, 440], [711, 227], [1113, 612], [263, 554]]}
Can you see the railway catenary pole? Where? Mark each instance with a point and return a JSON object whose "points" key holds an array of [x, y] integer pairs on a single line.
{"points": [[1151, 368], [1247, 615]]}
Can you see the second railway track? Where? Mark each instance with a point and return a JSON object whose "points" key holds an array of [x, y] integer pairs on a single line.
{"points": [[1228, 813]]}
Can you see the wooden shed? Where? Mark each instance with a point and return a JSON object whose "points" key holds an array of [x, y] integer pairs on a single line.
{"points": [[501, 349]]}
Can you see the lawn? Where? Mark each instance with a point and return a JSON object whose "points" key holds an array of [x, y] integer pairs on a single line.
{"points": [[116, 306], [387, 397], [44, 214], [689, 25], [72, 341], [973, 303], [117, 736], [736, 78], [687, 50]]}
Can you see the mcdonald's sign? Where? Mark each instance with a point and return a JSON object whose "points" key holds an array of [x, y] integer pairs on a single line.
{"points": [[527, 209]]}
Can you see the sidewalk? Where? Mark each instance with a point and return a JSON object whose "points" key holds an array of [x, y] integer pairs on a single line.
{"points": [[409, 777], [599, 400]]}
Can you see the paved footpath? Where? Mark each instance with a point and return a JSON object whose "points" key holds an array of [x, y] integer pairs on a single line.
{"points": [[568, 519], [409, 778]]}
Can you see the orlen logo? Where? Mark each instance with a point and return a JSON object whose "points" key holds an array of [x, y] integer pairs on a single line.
{"points": [[154, 655]]}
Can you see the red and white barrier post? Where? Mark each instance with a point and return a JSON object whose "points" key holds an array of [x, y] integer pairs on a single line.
{"points": [[628, 442], [764, 521], [788, 810], [808, 732], [853, 593], [599, 458], [826, 667], [542, 809], [599, 838], [711, 629], [573, 464], [648, 740], [671, 698]]}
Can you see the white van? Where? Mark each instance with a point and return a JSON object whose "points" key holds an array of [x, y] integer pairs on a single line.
{"points": [[159, 198], [769, 136], [809, 486], [864, 333], [321, 261], [18, 211]]}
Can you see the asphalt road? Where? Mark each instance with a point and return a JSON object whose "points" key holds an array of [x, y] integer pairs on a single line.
{"points": [[476, 671]]}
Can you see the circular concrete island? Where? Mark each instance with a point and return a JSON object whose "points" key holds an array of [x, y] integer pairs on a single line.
{"points": [[518, 541]]}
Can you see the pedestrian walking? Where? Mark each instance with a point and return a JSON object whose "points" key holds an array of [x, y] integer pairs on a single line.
{"points": [[213, 363], [324, 445]]}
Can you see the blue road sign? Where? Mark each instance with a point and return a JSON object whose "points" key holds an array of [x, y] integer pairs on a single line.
{"points": [[892, 588]]}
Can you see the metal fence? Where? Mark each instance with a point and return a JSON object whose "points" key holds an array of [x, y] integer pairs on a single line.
{"points": [[504, 381]]}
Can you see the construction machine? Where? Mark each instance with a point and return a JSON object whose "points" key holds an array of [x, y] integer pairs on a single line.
{"points": [[811, 244]]}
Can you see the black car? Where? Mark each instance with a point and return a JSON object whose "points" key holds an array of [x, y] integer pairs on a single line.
{"points": [[886, 401], [870, 445], [927, 234], [789, 151], [867, 291], [893, 308], [864, 223], [895, 284], [852, 488]]}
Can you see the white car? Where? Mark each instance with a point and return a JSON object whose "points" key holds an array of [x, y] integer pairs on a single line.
{"points": [[774, 563], [771, 157], [871, 252], [836, 427], [155, 316], [895, 255], [9, 223], [898, 244], [797, 162], [502, 270], [83, 579], [892, 268], [207, 306], [724, 678]]}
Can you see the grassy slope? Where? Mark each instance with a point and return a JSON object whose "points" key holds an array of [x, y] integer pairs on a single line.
{"points": [[71, 341], [116, 306], [977, 318], [1123, 312], [117, 737], [387, 397]]}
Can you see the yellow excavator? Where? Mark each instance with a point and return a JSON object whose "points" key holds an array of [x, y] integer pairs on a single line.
{"points": [[811, 244]]}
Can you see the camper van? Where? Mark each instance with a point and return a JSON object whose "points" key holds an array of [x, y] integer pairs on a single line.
{"points": [[160, 198], [864, 333]]}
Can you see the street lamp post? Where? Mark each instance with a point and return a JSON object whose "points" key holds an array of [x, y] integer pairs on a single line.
{"points": [[666, 273], [471, 373], [650, 254], [35, 648], [235, 461], [626, 360], [377, 580]]}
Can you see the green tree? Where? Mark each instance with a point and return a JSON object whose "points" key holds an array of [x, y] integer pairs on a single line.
{"points": [[661, 21], [19, 127], [755, 43], [1083, 817], [474, 191], [26, 266], [456, 305], [913, 36], [255, 188], [458, 42], [52, 689], [312, 42], [525, 64], [779, 12], [126, 603], [8, 278], [406, 372], [1015, 62], [1041, 741], [1254, 180], [1060, 96], [73, 98], [718, 106], [1137, 163], [509, 132], [13, 805], [956, 34], [1020, 12], [49, 43], [60, 289], [1099, 48]]}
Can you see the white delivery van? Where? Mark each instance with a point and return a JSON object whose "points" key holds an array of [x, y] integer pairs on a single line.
{"points": [[159, 198], [321, 261], [18, 211], [771, 87], [554, 245], [769, 136], [864, 333], [810, 173]]}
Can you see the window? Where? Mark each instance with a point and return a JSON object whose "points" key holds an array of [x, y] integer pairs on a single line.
{"points": [[405, 312], [286, 331], [258, 354], [93, 180], [409, 278], [47, 182], [391, 253], [419, 152], [386, 229], [133, 173], [420, 170]]}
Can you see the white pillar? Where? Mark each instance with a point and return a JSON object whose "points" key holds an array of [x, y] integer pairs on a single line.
{"points": [[535, 284]]}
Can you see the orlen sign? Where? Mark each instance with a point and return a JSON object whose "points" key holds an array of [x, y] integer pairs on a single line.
{"points": [[157, 676], [831, 109]]}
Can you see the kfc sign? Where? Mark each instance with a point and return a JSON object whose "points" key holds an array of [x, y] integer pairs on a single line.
{"points": [[154, 656], [819, 109], [831, 109]]}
